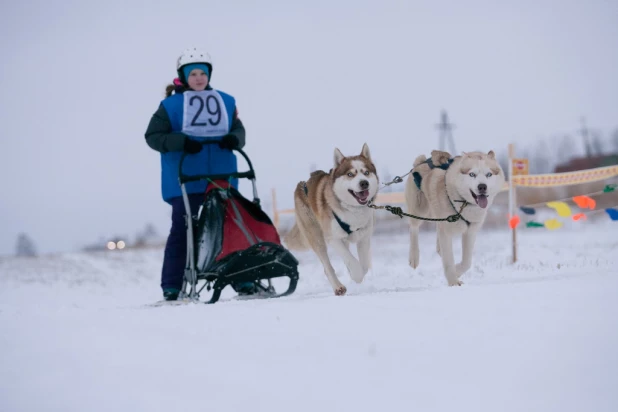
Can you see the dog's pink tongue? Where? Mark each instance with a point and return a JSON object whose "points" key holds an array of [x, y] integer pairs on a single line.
{"points": [[481, 201], [364, 194]]}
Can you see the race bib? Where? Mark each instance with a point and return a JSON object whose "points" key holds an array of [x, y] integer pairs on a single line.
{"points": [[204, 114]]}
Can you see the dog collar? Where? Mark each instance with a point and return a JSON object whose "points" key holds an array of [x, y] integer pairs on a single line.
{"points": [[342, 224]]}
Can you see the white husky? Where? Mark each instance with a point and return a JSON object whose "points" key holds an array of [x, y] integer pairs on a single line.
{"points": [[331, 208], [437, 188]]}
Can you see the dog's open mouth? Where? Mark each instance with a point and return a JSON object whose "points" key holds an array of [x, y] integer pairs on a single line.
{"points": [[361, 197], [480, 200]]}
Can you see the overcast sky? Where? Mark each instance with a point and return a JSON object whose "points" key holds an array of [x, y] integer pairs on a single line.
{"points": [[80, 80]]}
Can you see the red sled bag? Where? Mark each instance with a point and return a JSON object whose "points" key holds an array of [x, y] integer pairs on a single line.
{"points": [[229, 223], [232, 241]]}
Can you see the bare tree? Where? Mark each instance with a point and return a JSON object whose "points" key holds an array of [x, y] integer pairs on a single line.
{"points": [[596, 141], [566, 149], [540, 160], [150, 231], [146, 236], [503, 160], [585, 134], [25, 246], [614, 141]]}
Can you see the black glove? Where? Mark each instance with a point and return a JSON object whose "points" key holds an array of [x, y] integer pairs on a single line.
{"points": [[191, 146], [229, 141]]}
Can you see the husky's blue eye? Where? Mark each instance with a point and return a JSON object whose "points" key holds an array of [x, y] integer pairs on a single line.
{"points": [[472, 174], [488, 175], [350, 174], [366, 173]]}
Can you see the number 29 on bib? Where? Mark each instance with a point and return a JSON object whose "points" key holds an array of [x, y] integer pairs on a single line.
{"points": [[204, 114]]}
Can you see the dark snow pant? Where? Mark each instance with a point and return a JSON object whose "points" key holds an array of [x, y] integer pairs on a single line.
{"points": [[175, 257]]}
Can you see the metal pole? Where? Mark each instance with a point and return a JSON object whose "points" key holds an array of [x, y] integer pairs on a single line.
{"points": [[192, 275], [275, 214], [512, 200]]}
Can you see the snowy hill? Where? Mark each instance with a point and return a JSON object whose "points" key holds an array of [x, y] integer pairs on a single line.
{"points": [[540, 335]]}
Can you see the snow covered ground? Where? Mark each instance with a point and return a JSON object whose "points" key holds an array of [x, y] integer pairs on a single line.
{"points": [[540, 335]]}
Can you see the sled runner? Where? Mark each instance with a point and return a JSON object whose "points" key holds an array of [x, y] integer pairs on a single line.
{"points": [[232, 242]]}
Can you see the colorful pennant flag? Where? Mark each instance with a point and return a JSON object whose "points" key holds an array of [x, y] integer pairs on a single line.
{"points": [[534, 224], [592, 203], [613, 213], [609, 188], [528, 210], [562, 208], [514, 221], [585, 202], [579, 216], [552, 224]]}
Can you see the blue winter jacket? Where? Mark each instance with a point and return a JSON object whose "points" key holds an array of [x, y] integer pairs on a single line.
{"points": [[202, 116]]}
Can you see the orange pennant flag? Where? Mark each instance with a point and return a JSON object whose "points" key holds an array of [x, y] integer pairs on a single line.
{"points": [[579, 216], [585, 202], [514, 221], [592, 203]]}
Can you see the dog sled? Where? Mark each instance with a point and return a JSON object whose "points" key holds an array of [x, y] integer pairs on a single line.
{"points": [[232, 242]]}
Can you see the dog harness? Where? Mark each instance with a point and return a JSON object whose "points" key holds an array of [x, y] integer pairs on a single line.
{"points": [[342, 224], [418, 179]]}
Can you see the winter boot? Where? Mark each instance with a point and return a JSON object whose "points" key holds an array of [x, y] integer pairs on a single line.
{"points": [[170, 294]]}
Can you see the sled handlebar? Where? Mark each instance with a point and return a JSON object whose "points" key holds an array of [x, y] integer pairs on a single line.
{"points": [[249, 174]]}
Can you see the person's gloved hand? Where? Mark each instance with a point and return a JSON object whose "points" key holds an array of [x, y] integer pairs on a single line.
{"points": [[229, 141], [192, 146]]}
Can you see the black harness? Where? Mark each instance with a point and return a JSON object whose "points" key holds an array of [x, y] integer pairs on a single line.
{"points": [[342, 224], [418, 179]]}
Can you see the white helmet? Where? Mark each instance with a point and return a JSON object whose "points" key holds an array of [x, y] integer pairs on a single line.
{"points": [[193, 55]]}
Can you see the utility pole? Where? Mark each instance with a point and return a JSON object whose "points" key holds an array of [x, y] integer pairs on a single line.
{"points": [[446, 133]]}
